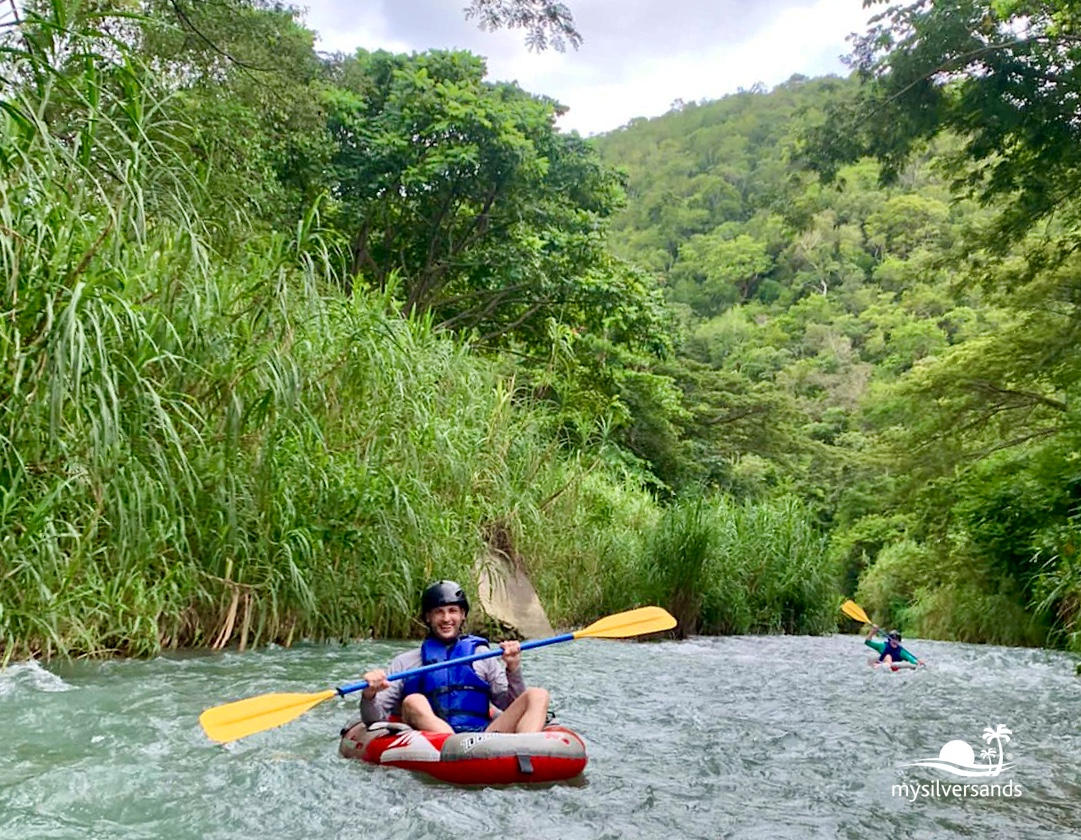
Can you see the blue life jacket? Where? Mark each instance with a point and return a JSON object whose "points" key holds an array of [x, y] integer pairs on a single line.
{"points": [[457, 694], [882, 648]]}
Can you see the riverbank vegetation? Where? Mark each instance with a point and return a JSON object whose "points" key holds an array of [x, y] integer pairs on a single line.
{"points": [[285, 335]]}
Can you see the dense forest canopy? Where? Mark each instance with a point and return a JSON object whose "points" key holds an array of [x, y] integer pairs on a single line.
{"points": [[287, 333], [916, 304]]}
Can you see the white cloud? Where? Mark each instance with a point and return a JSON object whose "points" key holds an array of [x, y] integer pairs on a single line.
{"points": [[616, 76], [341, 31]]}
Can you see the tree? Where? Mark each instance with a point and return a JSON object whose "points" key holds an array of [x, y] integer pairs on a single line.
{"points": [[244, 74], [1001, 74], [985, 431], [716, 271], [546, 22], [465, 194]]}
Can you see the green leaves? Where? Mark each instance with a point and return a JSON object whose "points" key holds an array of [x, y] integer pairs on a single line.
{"points": [[715, 271], [546, 22], [492, 219], [1002, 76]]}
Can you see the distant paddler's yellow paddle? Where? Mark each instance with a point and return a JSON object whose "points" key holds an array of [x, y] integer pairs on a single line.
{"points": [[256, 714], [855, 611]]}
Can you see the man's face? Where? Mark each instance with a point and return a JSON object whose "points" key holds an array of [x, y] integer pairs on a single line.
{"points": [[446, 622]]}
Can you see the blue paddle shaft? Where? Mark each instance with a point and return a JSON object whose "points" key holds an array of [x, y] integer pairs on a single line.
{"points": [[435, 666]]}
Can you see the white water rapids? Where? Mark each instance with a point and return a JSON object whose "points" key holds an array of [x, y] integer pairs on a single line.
{"points": [[742, 737]]}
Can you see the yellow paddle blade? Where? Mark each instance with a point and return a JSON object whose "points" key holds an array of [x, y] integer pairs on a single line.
{"points": [[255, 714], [631, 623], [854, 610]]}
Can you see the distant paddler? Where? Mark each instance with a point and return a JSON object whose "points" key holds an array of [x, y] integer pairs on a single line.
{"points": [[890, 652]]}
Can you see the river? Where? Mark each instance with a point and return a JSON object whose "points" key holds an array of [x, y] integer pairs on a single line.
{"points": [[742, 737]]}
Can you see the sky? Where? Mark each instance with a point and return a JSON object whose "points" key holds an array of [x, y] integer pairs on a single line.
{"points": [[637, 57]]}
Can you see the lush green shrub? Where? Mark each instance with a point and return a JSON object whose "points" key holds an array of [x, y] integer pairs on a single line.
{"points": [[772, 572], [889, 586], [725, 567], [959, 597]]}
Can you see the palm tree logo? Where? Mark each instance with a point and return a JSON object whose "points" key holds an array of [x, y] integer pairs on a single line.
{"points": [[959, 759], [1001, 735]]}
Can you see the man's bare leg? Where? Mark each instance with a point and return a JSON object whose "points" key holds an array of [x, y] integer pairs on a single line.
{"points": [[527, 713], [417, 712]]}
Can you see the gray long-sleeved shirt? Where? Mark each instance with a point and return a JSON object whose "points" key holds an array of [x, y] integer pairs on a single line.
{"points": [[504, 687]]}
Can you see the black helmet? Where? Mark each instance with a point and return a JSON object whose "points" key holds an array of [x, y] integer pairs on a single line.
{"points": [[893, 634], [443, 593]]}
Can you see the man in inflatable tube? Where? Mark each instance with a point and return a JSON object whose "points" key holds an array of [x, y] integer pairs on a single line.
{"points": [[457, 698], [892, 650]]}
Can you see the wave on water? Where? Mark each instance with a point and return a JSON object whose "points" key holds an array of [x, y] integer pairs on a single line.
{"points": [[29, 675]]}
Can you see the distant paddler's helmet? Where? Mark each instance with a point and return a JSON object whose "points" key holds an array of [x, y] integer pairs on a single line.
{"points": [[893, 634], [443, 593]]}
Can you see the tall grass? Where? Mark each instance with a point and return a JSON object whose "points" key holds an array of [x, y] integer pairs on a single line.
{"points": [[202, 453], [717, 565], [772, 572], [594, 546], [677, 561], [1057, 589]]}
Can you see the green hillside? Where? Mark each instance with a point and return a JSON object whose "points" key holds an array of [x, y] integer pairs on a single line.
{"points": [[872, 348]]}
